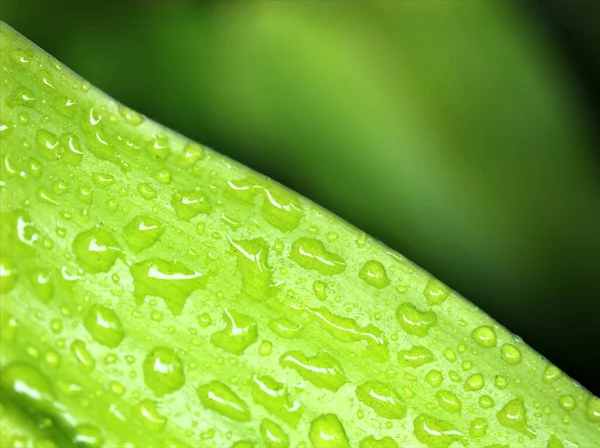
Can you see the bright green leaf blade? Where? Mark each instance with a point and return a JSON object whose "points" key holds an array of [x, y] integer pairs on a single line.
{"points": [[155, 293]]}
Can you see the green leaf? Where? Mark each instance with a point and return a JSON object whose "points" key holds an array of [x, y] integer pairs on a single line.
{"points": [[156, 293]]}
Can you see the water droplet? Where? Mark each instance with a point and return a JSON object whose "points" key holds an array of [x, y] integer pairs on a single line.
{"points": [[163, 176], [319, 289], [436, 433], [436, 292], [311, 254], [142, 232], [218, 397], [147, 415], [322, 370], [48, 145], [413, 321], [382, 398], [187, 204], [485, 336], [372, 442], [103, 180], [415, 357], [204, 320], [501, 382], [72, 149], [554, 442], [192, 152], [86, 362], [286, 328], [240, 332], [345, 329], [104, 326], [567, 402], [28, 384], [592, 412], [275, 398], [8, 274], [52, 358], [373, 272], [511, 354], [252, 261], [21, 97], [434, 378], [96, 250], [146, 191], [551, 374], [163, 371], [478, 428], [273, 435], [130, 116], [170, 280], [486, 402], [265, 348], [326, 431], [449, 401], [474, 382], [87, 436], [514, 416]]}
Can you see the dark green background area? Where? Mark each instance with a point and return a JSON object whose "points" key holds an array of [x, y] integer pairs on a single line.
{"points": [[458, 133]]}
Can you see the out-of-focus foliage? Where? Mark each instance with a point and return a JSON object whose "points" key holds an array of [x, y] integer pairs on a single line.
{"points": [[453, 131]]}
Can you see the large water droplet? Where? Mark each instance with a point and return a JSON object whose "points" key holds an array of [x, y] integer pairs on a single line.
{"points": [[170, 280], [163, 371], [218, 397], [322, 370], [104, 325], [240, 332], [551, 374], [25, 382], [252, 261], [286, 328], [413, 321], [87, 436], [382, 398], [312, 254], [96, 250], [474, 382], [274, 397], [142, 232], [510, 354], [373, 272], [327, 431]]}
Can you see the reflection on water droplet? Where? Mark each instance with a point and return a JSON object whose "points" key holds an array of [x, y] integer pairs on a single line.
{"points": [[96, 250]]}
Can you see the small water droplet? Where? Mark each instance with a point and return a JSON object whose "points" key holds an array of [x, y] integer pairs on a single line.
{"points": [[474, 382], [436, 433], [130, 116], [478, 428], [192, 152], [163, 371], [103, 179], [273, 435], [87, 436], [434, 378], [592, 412], [146, 413], [514, 416], [275, 398], [240, 332], [86, 362], [551, 374], [373, 272], [449, 401], [8, 274], [265, 348], [146, 191], [486, 402], [286, 328], [218, 397]]}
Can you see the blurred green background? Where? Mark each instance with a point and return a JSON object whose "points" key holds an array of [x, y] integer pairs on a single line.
{"points": [[459, 133]]}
